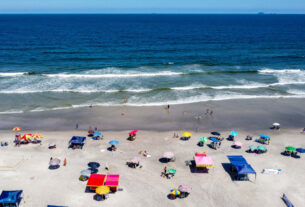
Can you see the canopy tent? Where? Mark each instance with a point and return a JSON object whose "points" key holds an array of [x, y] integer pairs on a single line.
{"points": [[237, 159], [77, 140], [96, 180], [10, 197], [214, 139], [264, 136], [112, 180], [203, 161], [244, 169]]}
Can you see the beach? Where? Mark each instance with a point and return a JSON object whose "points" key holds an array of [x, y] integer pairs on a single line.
{"points": [[145, 186]]}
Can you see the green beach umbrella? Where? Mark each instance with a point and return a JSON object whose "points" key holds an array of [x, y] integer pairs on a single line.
{"points": [[203, 139], [173, 171], [261, 148], [290, 148]]}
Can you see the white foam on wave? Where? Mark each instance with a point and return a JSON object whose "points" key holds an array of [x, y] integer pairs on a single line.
{"points": [[12, 74], [113, 75], [274, 71]]}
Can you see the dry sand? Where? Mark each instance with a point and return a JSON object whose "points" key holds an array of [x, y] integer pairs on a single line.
{"points": [[144, 186]]}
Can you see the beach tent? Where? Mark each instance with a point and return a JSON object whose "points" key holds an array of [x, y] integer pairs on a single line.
{"points": [[203, 161], [77, 141], [112, 181], [244, 169], [95, 180], [237, 159], [10, 197]]}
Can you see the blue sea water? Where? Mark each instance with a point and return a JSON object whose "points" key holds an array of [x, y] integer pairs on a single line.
{"points": [[61, 61]]}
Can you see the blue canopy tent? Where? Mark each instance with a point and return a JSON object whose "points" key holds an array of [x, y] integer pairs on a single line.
{"points": [[10, 197], [241, 165], [77, 142]]}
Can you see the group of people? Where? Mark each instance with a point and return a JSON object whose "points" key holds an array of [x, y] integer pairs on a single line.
{"points": [[165, 174]]}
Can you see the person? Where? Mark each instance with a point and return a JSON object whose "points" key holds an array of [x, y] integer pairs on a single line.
{"points": [[207, 112], [126, 99], [268, 141], [211, 112], [76, 126], [51, 158], [163, 174], [90, 106], [145, 153], [174, 135], [65, 162], [303, 130], [168, 106]]}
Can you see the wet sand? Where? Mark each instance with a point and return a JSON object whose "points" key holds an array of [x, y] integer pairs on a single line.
{"points": [[254, 114]]}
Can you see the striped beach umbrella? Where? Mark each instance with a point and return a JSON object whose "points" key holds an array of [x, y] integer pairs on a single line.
{"points": [[15, 129], [175, 192]]}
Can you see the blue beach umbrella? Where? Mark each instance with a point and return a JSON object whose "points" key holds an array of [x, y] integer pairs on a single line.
{"points": [[300, 150], [96, 134], [234, 133], [264, 136], [215, 133], [114, 142]]}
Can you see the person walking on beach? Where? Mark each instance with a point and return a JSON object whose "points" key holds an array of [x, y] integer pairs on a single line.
{"points": [[65, 162], [211, 112], [76, 126], [207, 111]]}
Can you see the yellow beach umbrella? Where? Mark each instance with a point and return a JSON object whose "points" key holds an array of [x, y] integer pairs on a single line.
{"points": [[16, 129], [186, 134], [175, 192], [102, 190]]}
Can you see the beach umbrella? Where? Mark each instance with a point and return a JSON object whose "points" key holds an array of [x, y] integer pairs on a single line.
{"points": [[261, 148], [168, 155], [300, 150], [264, 136], [135, 160], [290, 148], [203, 139], [114, 142], [215, 133], [237, 143], [172, 171], [93, 170], [102, 190], [94, 164], [234, 133], [26, 136], [37, 136], [96, 134], [252, 147], [185, 188], [186, 134], [276, 124], [175, 192], [86, 173], [54, 162], [52, 144], [133, 132], [16, 129]]}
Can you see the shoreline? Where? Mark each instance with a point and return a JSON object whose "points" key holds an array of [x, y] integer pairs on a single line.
{"points": [[258, 114]]}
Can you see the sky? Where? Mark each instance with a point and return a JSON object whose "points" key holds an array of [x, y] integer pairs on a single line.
{"points": [[152, 6]]}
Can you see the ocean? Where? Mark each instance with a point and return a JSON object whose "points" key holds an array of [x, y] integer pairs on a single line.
{"points": [[50, 62]]}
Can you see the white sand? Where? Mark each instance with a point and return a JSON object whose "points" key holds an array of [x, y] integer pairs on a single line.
{"points": [[145, 187]]}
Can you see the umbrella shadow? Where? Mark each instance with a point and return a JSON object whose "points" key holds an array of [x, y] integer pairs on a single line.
{"points": [[53, 167], [227, 168], [164, 160]]}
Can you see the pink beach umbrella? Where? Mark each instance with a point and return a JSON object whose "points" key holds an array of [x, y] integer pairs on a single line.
{"points": [[135, 160], [168, 155], [133, 132], [185, 188], [238, 144]]}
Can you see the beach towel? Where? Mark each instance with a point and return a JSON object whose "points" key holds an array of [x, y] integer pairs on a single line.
{"points": [[271, 171]]}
